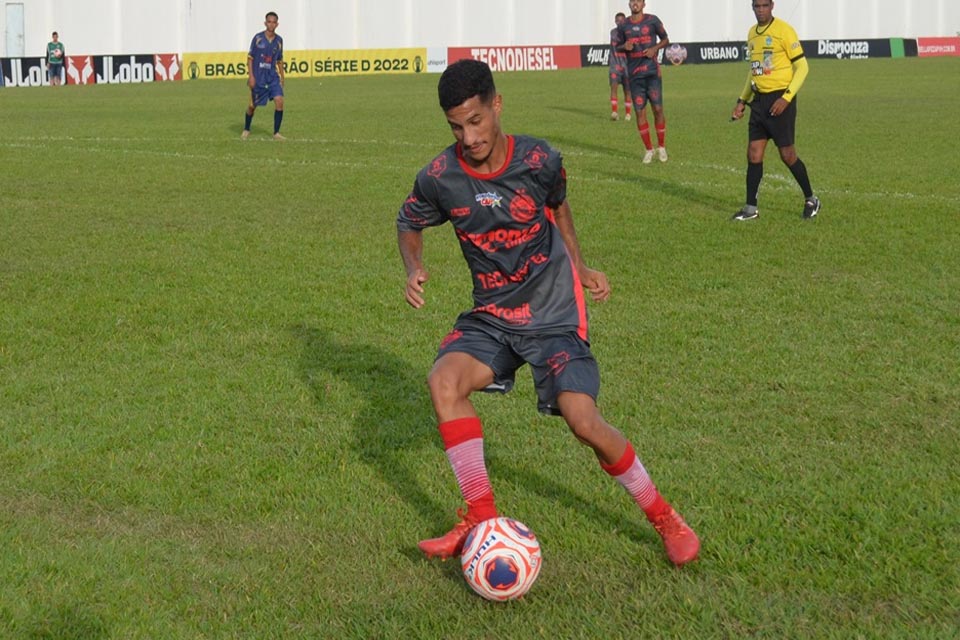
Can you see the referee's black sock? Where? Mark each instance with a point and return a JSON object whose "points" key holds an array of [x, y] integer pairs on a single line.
{"points": [[799, 171], [754, 175]]}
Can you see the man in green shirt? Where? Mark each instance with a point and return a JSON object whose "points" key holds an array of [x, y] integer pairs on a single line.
{"points": [[56, 54]]}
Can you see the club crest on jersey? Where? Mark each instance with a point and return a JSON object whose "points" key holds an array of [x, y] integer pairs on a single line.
{"points": [[558, 362], [489, 199], [437, 167], [535, 158], [522, 207]]}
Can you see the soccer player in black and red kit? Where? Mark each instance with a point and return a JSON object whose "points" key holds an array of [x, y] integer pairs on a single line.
{"points": [[641, 36], [506, 198]]}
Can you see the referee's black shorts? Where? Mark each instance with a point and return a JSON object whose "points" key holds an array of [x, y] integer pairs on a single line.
{"points": [[763, 126]]}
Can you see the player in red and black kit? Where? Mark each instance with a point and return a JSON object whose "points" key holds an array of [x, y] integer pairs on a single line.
{"points": [[641, 37], [617, 68], [506, 199]]}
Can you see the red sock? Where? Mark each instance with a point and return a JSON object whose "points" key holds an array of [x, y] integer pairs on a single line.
{"points": [[629, 472], [628, 106], [463, 442], [615, 105], [645, 135], [662, 133]]}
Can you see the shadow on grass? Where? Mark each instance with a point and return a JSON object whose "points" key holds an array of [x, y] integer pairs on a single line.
{"points": [[394, 417], [397, 416], [629, 169]]}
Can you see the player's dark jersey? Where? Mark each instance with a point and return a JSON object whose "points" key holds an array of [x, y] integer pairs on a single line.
{"points": [[265, 56], [523, 278], [618, 59], [644, 34]]}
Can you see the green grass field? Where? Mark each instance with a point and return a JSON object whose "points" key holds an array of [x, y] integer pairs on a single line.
{"points": [[214, 421]]}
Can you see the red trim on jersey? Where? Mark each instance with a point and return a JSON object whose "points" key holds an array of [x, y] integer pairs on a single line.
{"points": [[582, 329], [470, 171]]}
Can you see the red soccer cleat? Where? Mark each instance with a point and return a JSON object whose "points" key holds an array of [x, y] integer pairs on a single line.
{"points": [[679, 539], [451, 543]]}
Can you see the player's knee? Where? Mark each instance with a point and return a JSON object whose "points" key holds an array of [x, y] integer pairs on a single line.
{"points": [[588, 429], [444, 387]]}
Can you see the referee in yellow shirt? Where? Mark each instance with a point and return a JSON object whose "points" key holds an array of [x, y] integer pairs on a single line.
{"points": [[777, 71]]}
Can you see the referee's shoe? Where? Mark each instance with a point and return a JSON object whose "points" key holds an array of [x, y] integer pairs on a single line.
{"points": [[811, 207]]}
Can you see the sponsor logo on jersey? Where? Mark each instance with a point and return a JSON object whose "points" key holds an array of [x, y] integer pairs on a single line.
{"points": [[489, 199], [500, 239], [497, 279], [520, 315], [460, 212]]}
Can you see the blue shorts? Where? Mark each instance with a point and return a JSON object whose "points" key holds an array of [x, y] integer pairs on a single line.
{"points": [[263, 93], [559, 361], [644, 89]]}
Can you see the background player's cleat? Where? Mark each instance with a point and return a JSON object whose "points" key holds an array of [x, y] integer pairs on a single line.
{"points": [[627, 117], [277, 136], [648, 156], [746, 214], [245, 134], [451, 543], [679, 539], [614, 116], [662, 154], [811, 207]]}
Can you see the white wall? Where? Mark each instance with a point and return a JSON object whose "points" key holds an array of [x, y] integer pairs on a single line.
{"points": [[161, 26]]}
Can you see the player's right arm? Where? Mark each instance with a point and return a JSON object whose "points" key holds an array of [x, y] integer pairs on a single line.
{"points": [[745, 95], [419, 211], [411, 251], [251, 79]]}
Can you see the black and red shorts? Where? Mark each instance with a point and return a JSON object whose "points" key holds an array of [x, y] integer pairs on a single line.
{"points": [[559, 361]]}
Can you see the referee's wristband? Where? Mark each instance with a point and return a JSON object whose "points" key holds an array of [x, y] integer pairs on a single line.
{"points": [[741, 101]]}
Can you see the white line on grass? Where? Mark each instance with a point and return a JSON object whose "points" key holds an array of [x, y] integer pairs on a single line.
{"points": [[783, 181]]}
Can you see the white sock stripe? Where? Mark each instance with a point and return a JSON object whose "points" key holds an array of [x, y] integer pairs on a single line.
{"points": [[470, 469], [638, 484]]}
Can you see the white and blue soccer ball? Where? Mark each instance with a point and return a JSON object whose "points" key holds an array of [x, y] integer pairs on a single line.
{"points": [[501, 559]]}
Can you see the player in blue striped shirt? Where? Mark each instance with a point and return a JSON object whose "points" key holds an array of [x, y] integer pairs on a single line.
{"points": [[265, 75]]}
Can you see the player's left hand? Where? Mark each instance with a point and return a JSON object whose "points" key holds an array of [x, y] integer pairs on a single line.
{"points": [[779, 107], [596, 283]]}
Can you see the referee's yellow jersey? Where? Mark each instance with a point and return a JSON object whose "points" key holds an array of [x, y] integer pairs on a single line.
{"points": [[771, 51]]}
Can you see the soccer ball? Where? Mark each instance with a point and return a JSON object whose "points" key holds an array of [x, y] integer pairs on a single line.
{"points": [[58, 53], [500, 559]]}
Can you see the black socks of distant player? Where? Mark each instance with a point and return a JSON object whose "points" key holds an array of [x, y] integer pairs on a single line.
{"points": [[277, 119], [247, 119], [799, 171], [754, 175]]}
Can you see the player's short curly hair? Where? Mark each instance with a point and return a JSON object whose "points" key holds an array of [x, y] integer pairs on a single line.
{"points": [[463, 80]]}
